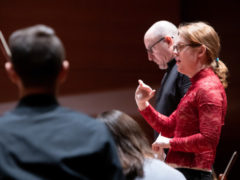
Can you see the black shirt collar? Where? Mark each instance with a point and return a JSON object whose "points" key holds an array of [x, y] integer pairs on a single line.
{"points": [[170, 64], [38, 100]]}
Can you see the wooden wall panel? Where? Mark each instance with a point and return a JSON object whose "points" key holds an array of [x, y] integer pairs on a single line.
{"points": [[103, 39]]}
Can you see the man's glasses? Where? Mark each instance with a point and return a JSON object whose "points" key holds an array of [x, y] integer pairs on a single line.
{"points": [[150, 48], [179, 47]]}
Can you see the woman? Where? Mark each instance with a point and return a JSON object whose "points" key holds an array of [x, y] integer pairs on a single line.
{"points": [[192, 131], [134, 151]]}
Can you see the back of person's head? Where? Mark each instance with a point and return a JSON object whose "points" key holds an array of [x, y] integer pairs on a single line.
{"points": [[204, 34], [161, 29], [131, 143], [37, 55]]}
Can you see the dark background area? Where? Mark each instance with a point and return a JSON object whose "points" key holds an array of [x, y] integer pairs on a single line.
{"points": [[104, 44]]}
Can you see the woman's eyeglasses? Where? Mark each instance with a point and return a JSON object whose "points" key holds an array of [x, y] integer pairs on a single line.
{"points": [[179, 47]]}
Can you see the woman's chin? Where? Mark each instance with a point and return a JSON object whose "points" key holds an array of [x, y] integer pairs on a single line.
{"points": [[183, 72]]}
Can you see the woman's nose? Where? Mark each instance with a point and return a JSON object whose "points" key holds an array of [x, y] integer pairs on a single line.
{"points": [[175, 52]]}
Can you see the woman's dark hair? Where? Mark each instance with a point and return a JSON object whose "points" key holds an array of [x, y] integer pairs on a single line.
{"points": [[131, 142]]}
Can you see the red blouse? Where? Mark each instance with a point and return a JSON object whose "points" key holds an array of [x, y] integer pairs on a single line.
{"points": [[196, 123]]}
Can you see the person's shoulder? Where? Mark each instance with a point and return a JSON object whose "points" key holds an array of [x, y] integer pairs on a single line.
{"points": [[65, 111], [78, 117], [210, 91], [152, 162], [159, 170], [7, 116], [82, 125], [209, 83]]}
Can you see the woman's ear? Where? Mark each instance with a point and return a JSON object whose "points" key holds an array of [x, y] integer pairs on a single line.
{"points": [[202, 51], [13, 76]]}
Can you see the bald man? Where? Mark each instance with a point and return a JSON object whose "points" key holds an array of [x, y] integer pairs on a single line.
{"points": [[159, 42]]}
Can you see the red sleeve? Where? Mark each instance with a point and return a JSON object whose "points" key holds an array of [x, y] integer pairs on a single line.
{"points": [[159, 122], [210, 106]]}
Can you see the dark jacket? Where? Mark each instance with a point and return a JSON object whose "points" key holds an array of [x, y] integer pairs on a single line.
{"points": [[174, 85], [39, 139]]}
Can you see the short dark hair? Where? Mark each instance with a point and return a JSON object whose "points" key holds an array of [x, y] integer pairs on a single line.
{"points": [[37, 55]]}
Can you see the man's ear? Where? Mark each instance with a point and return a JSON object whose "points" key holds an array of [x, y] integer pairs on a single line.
{"points": [[169, 40], [64, 71], [13, 76]]}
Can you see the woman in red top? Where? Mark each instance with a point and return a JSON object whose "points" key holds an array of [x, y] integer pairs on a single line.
{"points": [[192, 131]]}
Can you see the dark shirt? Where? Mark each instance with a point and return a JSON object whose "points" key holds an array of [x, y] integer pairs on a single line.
{"points": [[40, 139], [174, 85]]}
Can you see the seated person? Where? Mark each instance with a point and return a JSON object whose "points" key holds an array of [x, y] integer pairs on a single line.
{"points": [[40, 139], [135, 154]]}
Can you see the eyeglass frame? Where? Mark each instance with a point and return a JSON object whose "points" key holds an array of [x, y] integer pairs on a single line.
{"points": [[150, 49], [178, 49]]}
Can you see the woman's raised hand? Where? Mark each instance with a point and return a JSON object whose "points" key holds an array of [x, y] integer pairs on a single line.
{"points": [[143, 94]]}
